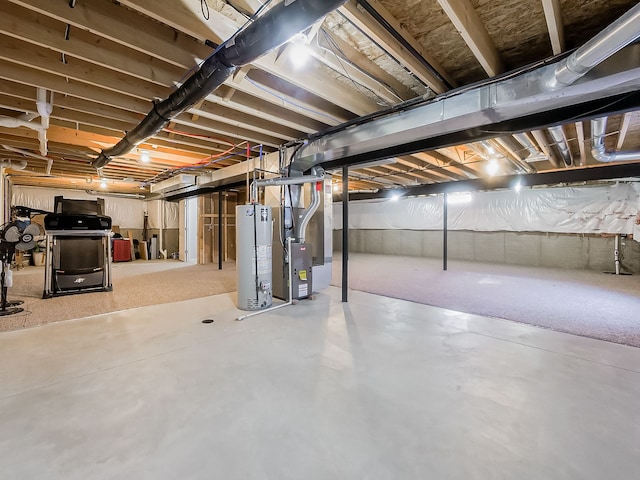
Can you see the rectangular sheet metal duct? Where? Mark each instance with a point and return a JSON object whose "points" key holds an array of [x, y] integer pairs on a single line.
{"points": [[511, 104]]}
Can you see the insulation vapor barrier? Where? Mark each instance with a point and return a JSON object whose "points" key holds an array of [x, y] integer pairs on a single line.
{"points": [[163, 214], [607, 209], [124, 212]]}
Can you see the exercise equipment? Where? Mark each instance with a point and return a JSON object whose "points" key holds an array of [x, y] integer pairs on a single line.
{"points": [[16, 235]]}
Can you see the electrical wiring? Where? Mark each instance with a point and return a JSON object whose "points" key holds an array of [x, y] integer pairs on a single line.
{"points": [[204, 8], [197, 135], [206, 162], [333, 46]]}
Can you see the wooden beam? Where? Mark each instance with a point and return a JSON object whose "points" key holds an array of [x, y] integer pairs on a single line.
{"points": [[419, 169], [332, 42], [581, 143], [100, 77], [384, 174], [120, 25], [440, 169], [248, 6], [354, 74], [90, 46], [468, 23], [553, 15], [220, 27], [624, 129], [28, 26], [543, 142], [363, 21], [23, 53]]}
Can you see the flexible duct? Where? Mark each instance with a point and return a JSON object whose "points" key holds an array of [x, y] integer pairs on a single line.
{"points": [[563, 147], [598, 150], [619, 34], [271, 30]]}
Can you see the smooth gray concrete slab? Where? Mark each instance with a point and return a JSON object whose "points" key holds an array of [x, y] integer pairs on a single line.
{"points": [[375, 389]]}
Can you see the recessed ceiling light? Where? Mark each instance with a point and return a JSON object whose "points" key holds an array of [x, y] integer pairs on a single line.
{"points": [[144, 156]]}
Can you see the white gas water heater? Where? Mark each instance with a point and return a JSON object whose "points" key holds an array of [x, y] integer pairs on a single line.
{"points": [[253, 257]]}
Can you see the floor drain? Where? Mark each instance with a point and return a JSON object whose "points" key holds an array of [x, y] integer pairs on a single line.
{"points": [[208, 320]]}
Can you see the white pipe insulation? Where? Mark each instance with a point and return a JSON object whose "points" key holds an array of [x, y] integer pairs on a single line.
{"points": [[44, 109], [598, 150]]}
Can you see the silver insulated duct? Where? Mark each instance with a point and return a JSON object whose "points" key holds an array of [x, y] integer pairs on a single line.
{"points": [[267, 32], [616, 36], [598, 129], [519, 102]]}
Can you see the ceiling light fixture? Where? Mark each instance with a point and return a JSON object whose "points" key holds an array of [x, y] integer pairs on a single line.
{"points": [[299, 55], [103, 184], [493, 167], [144, 156], [517, 187]]}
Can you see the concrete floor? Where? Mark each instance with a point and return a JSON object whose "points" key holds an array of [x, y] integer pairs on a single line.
{"points": [[376, 389]]}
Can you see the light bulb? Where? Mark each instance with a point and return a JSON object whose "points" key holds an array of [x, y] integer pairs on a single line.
{"points": [[299, 55], [493, 167], [144, 156]]}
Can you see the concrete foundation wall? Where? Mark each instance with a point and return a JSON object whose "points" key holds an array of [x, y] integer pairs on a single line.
{"points": [[590, 252]]}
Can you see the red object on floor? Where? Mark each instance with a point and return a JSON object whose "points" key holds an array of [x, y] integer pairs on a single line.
{"points": [[121, 250]]}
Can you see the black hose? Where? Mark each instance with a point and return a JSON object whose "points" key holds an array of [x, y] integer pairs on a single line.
{"points": [[268, 32]]}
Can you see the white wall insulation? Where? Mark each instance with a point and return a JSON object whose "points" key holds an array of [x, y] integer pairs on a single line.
{"points": [[601, 209], [156, 213], [124, 212]]}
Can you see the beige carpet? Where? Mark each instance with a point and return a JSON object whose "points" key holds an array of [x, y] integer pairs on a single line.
{"points": [[135, 284], [582, 302]]}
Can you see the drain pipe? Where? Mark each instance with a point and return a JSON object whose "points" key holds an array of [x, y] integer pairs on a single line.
{"points": [[616, 36], [44, 109], [563, 147], [598, 151], [266, 33]]}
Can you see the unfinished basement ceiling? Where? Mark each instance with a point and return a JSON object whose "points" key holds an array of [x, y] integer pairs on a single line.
{"points": [[99, 64]]}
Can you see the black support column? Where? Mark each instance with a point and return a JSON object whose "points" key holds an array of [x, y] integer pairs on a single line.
{"points": [[220, 230], [345, 233], [444, 231]]}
